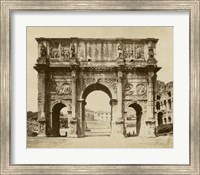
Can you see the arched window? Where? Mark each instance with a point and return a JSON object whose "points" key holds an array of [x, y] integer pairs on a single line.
{"points": [[157, 105], [169, 101], [158, 97], [165, 120], [169, 119], [165, 103], [138, 112], [160, 118]]}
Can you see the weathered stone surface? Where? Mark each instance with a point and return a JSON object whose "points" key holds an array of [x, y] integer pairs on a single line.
{"points": [[71, 68]]}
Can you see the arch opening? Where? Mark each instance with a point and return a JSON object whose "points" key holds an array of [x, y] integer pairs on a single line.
{"points": [[170, 104], [59, 119], [96, 87], [97, 110], [157, 105], [169, 119], [135, 120], [160, 118]]}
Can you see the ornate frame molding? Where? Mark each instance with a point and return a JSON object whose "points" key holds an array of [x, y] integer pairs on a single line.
{"points": [[5, 82]]}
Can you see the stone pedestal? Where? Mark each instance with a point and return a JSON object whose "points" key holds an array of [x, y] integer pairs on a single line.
{"points": [[73, 121], [150, 123], [117, 129], [116, 124], [42, 127], [151, 128], [148, 128], [72, 130]]}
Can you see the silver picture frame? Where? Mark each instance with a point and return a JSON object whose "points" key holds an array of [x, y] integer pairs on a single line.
{"points": [[7, 7]]}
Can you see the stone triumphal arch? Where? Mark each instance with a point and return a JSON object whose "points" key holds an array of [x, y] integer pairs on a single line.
{"points": [[71, 68]]}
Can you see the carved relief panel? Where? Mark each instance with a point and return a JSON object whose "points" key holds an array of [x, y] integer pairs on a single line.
{"points": [[139, 51], [133, 51], [54, 49], [81, 51], [65, 50], [129, 51], [60, 86], [136, 90], [109, 51]]}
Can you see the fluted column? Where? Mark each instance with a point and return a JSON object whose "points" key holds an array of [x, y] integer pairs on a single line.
{"points": [[150, 122], [150, 102], [73, 77], [119, 94], [41, 103], [73, 122], [117, 117], [81, 118]]}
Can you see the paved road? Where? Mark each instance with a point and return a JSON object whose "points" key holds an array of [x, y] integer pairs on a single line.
{"points": [[100, 142]]}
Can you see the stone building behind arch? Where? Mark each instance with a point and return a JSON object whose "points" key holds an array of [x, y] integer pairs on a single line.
{"points": [[164, 102]]}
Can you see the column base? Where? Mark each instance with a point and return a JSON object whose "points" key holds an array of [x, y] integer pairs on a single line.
{"points": [[72, 136], [41, 135], [42, 127], [54, 135], [114, 135], [81, 136], [73, 130]]}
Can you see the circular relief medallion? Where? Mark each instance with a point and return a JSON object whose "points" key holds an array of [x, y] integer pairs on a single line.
{"points": [[140, 89], [64, 89]]}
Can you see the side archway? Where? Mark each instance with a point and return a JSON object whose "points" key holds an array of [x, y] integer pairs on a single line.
{"points": [[138, 110], [56, 119]]}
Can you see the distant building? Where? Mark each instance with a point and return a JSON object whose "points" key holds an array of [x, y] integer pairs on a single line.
{"points": [[164, 102], [97, 115], [102, 116], [89, 115]]}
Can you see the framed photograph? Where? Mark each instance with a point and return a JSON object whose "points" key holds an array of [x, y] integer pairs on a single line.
{"points": [[100, 87]]}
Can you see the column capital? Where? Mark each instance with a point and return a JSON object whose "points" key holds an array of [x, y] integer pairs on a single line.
{"points": [[119, 75], [73, 75], [82, 100], [151, 74], [113, 101]]}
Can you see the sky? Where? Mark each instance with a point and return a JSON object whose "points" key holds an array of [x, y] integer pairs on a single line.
{"points": [[164, 54]]}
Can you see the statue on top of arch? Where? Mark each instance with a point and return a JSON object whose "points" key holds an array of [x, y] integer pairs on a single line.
{"points": [[120, 50], [43, 50], [73, 50]]}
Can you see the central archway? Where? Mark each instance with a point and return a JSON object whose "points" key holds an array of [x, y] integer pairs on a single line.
{"points": [[100, 123], [96, 87]]}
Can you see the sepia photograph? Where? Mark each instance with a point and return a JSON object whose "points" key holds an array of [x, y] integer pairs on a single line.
{"points": [[100, 87]]}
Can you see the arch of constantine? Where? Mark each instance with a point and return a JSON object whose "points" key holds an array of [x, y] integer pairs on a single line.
{"points": [[69, 69]]}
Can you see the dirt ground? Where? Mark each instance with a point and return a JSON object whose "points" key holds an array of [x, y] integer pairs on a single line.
{"points": [[100, 142]]}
